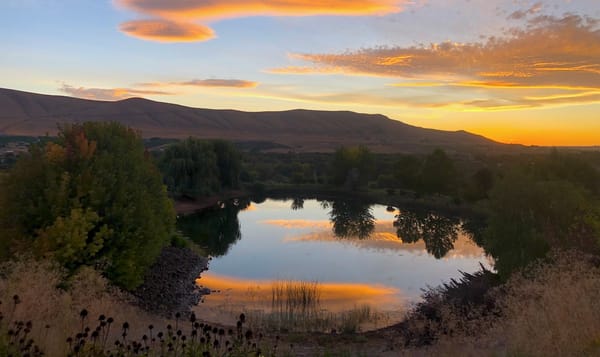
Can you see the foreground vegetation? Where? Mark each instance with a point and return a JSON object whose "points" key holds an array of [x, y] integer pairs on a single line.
{"points": [[533, 314]]}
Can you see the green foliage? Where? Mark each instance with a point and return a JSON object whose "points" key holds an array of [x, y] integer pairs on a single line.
{"points": [[93, 196], [538, 206], [351, 167], [480, 184], [197, 168], [438, 174], [228, 162], [434, 173]]}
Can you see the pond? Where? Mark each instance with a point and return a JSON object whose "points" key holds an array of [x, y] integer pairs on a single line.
{"points": [[309, 259]]}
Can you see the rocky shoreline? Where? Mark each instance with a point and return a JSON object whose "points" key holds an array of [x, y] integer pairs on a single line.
{"points": [[170, 284]]}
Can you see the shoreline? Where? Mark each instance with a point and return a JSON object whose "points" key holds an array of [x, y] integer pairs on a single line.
{"points": [[191, 206]]}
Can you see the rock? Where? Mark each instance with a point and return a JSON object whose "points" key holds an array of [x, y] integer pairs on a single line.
{"points": [[170, 284]]}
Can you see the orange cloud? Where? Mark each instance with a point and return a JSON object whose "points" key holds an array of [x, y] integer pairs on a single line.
{"points": [[174, 20], [213, 9], [108, 93], [549, 58], [167, 31]]}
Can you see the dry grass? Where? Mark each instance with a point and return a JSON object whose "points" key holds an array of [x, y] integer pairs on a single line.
{"points": [[296, 306], [47, 300], [552, 310]]}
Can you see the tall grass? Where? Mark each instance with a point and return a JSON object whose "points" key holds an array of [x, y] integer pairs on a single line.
{"points": [[53, 301], [296, 306], [550, 309], [295, 300]]}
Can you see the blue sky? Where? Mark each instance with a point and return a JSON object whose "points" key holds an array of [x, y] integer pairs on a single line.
{"points": [[515, 71]]}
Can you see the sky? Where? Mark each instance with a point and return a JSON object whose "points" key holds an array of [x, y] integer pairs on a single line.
{"points": [[516, 71]]}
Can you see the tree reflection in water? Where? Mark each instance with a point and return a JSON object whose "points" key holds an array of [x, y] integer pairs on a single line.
{"points": [[438, 232], [350, 218], [297, 203], [217, 229]]}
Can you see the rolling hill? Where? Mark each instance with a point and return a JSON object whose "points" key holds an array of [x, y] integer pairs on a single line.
{"points": [[24, 113]]}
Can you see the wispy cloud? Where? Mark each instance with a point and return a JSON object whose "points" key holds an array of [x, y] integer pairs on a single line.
{"points": [[166, 31], [236, 83], [152, 88], [549, 61], [177, 20], [108, 93], [211, 82]]}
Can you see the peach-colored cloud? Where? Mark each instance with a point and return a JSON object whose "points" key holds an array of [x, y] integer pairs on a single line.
{"points": [[176, 20], [108, 93], [299, 223], [542, 63], [167, 31]]}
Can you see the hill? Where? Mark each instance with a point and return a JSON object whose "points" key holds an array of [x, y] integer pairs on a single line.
{"points": [[24, 113]]}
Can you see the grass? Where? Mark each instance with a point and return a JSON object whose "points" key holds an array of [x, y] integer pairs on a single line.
{"points": [[295, 300], [44, 311], [296, 306], [550, 309]]}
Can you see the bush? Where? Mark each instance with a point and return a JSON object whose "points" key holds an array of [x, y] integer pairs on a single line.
{"points": [[91, 197]]}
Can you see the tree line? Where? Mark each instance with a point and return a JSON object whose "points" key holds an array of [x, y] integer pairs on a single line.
{"points": [[96, 196]]}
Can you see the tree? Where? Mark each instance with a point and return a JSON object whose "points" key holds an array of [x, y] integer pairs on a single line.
{"points": [[92, 196], [229, 163], [438, 174], [198, 168], [530, 214], [351, 166], [190, 168], [406, 170]]}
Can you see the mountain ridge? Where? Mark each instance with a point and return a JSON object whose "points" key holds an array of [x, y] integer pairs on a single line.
{"points": [[26, 113]]}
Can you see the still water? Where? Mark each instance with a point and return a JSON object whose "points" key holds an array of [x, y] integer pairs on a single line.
{"points": [[358, 254]]}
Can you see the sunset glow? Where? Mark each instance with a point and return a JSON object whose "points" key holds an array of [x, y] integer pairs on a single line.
{"points": [[515, 71]]}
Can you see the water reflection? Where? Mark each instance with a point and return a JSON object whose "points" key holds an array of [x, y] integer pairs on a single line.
{"points": [[216, 229], [334, 296], [438, 232], [297, 203], [351, 218], [232, 295], [309, 240]]}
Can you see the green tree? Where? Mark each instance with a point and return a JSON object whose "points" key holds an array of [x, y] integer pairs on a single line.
{"points": [[530, 214], [93, 196], [229, 163], [438, 173], [197, 168], [406, 170], [351, 166]]}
